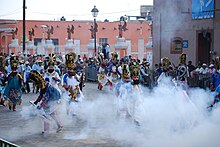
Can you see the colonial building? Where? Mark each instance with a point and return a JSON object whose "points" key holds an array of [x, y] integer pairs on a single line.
{"points": [[43, 37], [188, 26]]}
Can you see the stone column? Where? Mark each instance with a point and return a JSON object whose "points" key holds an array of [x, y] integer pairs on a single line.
{"points": [[31, 48], [13, 47], [69, 46], [91, 48], [49, 47]]}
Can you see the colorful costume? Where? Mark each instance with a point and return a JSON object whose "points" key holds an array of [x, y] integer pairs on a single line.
{"points": [[113, 73], [52, 76], [13, 91], [182, 73], [102, 77], [128, 91], [73, 95], [47, 102]]}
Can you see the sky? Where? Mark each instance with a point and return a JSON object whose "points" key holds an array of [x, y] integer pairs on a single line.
{"points": [[70, 9]]}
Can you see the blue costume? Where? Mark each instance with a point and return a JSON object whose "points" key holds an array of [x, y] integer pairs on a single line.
{"points": [[49, 100], [13, 91]]}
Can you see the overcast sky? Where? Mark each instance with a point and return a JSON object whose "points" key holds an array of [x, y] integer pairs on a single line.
{"points": [[70, 9]]}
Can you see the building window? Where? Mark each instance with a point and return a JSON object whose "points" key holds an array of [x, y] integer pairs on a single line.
{"points": [[176, 45], [102, 41]]}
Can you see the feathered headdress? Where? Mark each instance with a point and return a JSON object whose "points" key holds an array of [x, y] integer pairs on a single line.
{"points": [[70, 60], [165, 62], [37, 78], [182, 58], [14, 62], [135, 70], [125, 72], [114, 57]]}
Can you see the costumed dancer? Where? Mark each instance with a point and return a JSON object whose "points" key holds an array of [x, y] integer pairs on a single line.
{"points": [[215, 83], [102, 77], [127, 91], [145, 73], [39, 68], [165, 68], [73, 95], [52, 76], [13, 89], [47, 102], [2, 79], [135, 98], [123, 90], [182, 72], [216, 98], [113, 73]]}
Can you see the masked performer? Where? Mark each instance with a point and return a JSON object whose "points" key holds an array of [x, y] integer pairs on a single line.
{"points": [[113, 73], [102, 78], [123, 90], [70, 82], [13, 89], [135, 98], [182, 73], [165, 68], [52, 76], [47, 102]]}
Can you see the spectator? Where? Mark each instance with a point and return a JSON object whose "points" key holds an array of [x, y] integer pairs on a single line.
{"points": [[107, 49], [203, 69], [104, 51], [84, 58], [211, 69], [190, 68]]}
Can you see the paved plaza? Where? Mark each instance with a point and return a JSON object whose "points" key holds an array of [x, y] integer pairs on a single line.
{"points": [[167, 120], [27, 132]]}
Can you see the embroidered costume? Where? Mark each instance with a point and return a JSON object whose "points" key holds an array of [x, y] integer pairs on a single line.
{"points": [[73, 95], [47, 102]]}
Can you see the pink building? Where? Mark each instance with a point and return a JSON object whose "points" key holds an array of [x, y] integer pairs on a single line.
{"points": [[135, 37]]}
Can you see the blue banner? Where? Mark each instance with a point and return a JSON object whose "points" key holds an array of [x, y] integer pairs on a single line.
{"points": [[203, 9]]}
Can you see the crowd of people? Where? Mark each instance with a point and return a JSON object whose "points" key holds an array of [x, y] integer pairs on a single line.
{"points": [[53, 74]]}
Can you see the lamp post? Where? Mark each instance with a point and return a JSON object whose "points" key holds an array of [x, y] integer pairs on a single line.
{"points": [[94, 14]]}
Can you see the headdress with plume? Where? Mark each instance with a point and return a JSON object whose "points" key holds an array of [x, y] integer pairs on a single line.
{"points": [[125, 72], [135, 72], [70, 60], [165, 62], [114, 57], [182, 59], [14, 62], [37, 78]]}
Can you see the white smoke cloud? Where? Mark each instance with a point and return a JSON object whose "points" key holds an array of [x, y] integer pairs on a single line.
{"points": [[168, 118]]}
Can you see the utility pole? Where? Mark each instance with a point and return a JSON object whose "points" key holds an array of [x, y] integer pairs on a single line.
{"points": [[24, 7]]}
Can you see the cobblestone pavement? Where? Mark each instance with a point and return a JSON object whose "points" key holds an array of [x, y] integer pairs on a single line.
{"points": [[27, 132]]}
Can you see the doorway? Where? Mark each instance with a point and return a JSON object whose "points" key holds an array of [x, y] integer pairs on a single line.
{"points": [[204, 47]]}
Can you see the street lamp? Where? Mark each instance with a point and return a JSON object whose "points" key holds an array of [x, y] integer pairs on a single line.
{"points": [[94, 14]]}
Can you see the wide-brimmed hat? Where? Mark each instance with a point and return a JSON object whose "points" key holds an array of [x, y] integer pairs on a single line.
{"points": [[211, 65]]}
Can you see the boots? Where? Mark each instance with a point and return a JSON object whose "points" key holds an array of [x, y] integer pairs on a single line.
{"points": [[14, 107]]}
